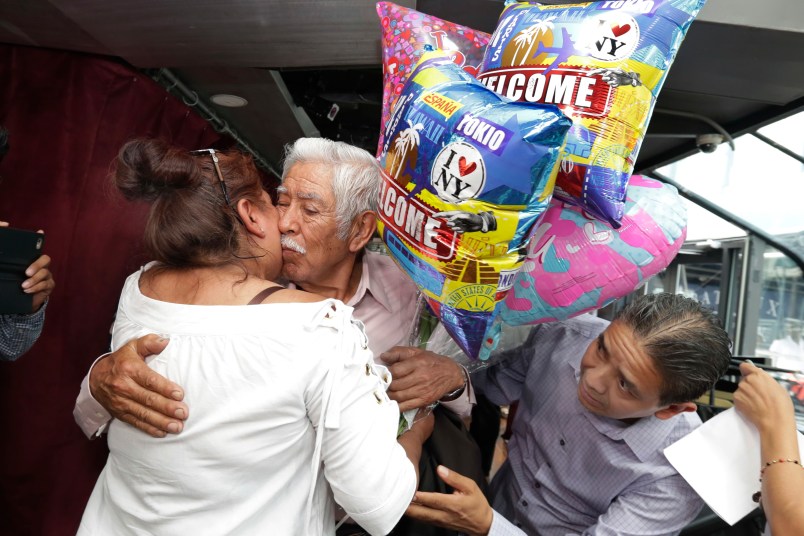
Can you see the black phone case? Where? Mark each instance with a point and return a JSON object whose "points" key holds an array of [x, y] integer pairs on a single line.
{"points": [[18, 249]]}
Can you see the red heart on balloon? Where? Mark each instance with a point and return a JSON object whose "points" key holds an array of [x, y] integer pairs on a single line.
{"points": [[457, 57], [620, 29], [465, 168]]}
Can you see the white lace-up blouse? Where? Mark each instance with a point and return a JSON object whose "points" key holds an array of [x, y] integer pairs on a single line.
{"points": [[287, 412]]}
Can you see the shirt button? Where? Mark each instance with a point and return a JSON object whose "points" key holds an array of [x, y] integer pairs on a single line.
{"points": [[537, 485], [562, 443], [518, 525], [524, 502]]}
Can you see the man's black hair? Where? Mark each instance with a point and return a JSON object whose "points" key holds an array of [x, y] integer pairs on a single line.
{"points": [[686, 341]]}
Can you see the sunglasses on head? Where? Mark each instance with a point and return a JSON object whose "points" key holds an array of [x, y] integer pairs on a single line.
{"points": [[211, 153]]}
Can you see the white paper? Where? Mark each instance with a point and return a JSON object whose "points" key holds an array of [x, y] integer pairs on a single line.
{"points": [[721, 461]]}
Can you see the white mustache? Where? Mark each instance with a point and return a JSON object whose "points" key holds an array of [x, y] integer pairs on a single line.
{"points": [[288, 243]]}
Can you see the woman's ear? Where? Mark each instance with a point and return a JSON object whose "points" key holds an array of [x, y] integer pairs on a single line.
{"points": [[362, 229], [250, 217]]}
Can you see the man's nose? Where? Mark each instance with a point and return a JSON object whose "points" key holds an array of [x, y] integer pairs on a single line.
{"points": [[286, 221], [596, 379]]}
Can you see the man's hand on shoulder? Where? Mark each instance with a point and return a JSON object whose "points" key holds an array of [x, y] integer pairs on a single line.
{"points": [[420, 377], [133, 393]]}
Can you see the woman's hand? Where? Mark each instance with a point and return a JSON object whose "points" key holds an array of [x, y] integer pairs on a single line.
{"points": [[40, 281], [762, 400]]}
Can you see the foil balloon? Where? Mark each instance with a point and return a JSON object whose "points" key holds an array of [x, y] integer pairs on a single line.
{"points": [[576, 263], [603, 64], [466, 175], [405, 34]]}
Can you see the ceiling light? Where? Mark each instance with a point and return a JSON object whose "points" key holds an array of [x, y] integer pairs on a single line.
{"points": [[230, 101]]}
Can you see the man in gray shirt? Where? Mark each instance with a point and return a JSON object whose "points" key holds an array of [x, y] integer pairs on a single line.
{"points": [[598, 403]]}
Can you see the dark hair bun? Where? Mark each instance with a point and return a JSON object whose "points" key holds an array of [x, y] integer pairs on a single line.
{"points": [[149, 168]]}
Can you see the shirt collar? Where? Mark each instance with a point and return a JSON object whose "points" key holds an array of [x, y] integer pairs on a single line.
{"points": [[370, 282]]}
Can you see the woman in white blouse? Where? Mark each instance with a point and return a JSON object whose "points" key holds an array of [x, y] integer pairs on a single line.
{"points": [[289, 411]]}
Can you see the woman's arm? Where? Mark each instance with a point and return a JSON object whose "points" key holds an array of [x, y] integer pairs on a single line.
{"points": [[766, 404], [370, 473], [413, 439]]}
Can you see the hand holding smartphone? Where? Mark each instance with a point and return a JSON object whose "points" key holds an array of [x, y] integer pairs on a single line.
{"points": [[19, 248]]}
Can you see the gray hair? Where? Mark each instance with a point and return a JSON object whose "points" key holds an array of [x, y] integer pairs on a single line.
{"points": [[355, 175], [686, 342]]}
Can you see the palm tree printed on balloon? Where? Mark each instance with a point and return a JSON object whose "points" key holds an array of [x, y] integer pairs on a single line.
{"points": [[527, 38], [407, 139]]}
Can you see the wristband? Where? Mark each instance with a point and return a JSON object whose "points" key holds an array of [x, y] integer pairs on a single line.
{"points": [[449, 397]]}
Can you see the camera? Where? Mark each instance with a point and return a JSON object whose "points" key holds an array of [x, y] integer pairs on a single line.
{"points": [[708, 143]]}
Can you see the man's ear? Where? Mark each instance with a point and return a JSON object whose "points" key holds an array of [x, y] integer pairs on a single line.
{"points": [[362, 229], [250, 217], [674, 409]]}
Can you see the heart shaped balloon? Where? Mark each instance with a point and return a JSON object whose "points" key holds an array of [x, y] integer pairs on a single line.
{"points": [[405, 34], [576, 263]]}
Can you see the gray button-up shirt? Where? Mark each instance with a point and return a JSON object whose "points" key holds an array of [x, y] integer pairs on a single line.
{"points": [[570, 471]]}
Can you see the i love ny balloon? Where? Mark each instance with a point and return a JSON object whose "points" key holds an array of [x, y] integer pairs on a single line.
{"points": [[603, 64], [466, 175]]}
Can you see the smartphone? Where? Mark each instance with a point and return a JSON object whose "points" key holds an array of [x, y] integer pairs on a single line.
{"points": [[19, 248]]}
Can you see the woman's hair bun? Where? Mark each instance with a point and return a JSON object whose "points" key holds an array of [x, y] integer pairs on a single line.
{"points": [[148, 168]]}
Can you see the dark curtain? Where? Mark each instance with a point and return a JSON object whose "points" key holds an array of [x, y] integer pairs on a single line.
{"points": [[67, 115]]}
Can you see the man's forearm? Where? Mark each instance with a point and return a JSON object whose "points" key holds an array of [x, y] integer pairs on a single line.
{"points": [[19, 332], [90, 416]]}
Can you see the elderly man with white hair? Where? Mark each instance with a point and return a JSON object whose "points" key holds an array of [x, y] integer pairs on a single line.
{"points": [[327, 204]]}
